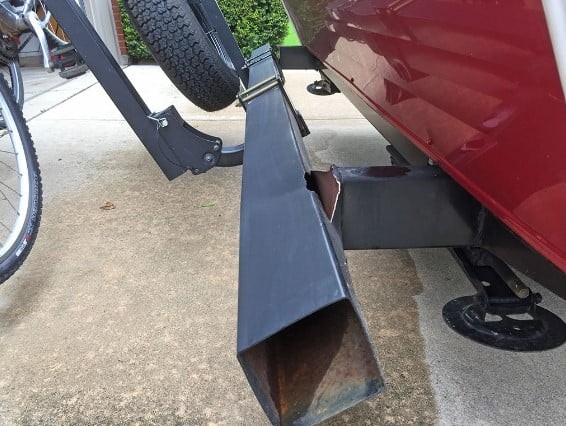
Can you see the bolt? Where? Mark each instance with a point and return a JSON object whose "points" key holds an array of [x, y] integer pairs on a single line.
{"points": [[163, 122], [520, 289], [216, 147], [208, 157]]}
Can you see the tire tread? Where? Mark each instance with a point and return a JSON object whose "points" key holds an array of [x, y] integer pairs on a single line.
{"points": [[179, 45], [12, 263]]}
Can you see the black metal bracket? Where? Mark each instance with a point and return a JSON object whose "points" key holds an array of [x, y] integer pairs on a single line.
{"points": [[220, 26], [398, 207], [175, 147], [203, 151], [504, 313], [297, 58]]}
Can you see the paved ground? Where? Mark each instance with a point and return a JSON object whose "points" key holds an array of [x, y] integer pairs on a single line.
{"points": [[129, 315]]}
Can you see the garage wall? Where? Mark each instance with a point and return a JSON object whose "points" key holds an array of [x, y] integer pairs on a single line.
{"points": [[102, 14]]}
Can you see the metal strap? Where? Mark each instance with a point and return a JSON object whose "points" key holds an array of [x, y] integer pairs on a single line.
{"points": [[259, 89], [258, 58]]}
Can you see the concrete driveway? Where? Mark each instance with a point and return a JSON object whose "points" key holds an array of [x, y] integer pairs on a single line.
{"points": [[128, 315]]}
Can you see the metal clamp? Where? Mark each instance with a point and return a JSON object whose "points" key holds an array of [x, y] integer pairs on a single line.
{"points": [[183, 145], [259, 89], [264, 86], [161, 122]]}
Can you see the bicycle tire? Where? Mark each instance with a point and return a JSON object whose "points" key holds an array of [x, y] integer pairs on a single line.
{"points": [[189, 57], [16, 246]]}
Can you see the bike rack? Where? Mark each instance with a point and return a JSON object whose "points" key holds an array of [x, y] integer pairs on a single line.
{"points": [[175, 145]]}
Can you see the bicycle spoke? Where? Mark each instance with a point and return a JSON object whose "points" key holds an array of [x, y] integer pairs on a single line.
{"points": [[8, 229], [11, 189], [9, 202], [11, 168]]}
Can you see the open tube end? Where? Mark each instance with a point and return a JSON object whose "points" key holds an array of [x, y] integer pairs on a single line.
{"points": [[314, 368]]}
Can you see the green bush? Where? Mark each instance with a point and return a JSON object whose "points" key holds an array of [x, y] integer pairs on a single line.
{"points": [[136, 47], [253, 23]]}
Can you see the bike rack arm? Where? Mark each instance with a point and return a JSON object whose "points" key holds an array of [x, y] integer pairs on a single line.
{"points": [[218, 22], [174, 145]]}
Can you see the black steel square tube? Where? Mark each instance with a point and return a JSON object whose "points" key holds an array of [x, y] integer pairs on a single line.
{"points": [[302, 341]]}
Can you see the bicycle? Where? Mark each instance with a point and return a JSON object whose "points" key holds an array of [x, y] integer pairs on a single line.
{"points": [[20, 179]]}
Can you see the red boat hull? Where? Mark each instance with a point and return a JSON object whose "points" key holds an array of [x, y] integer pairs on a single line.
{"points": [[473, 84]]}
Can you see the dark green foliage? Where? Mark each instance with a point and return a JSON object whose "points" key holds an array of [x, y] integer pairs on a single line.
{"points": [[253, 22], [136, 47]]}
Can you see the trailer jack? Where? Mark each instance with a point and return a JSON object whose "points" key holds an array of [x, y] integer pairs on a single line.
{"points": [[504, 313]]}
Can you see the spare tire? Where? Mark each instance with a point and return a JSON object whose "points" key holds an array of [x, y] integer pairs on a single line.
{"points": [[194, 61]]}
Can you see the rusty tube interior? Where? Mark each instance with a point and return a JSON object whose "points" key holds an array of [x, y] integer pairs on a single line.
{"points": [[314, 368]]}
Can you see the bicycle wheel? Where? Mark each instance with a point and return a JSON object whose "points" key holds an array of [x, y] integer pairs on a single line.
{"points": [[20, 186]]}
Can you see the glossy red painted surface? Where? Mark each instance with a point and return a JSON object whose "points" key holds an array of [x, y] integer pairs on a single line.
{"points": [[473, 83]]}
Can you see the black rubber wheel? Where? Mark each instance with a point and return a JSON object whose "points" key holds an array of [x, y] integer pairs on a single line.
{"points": [[20, 186], [189, 57]]}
